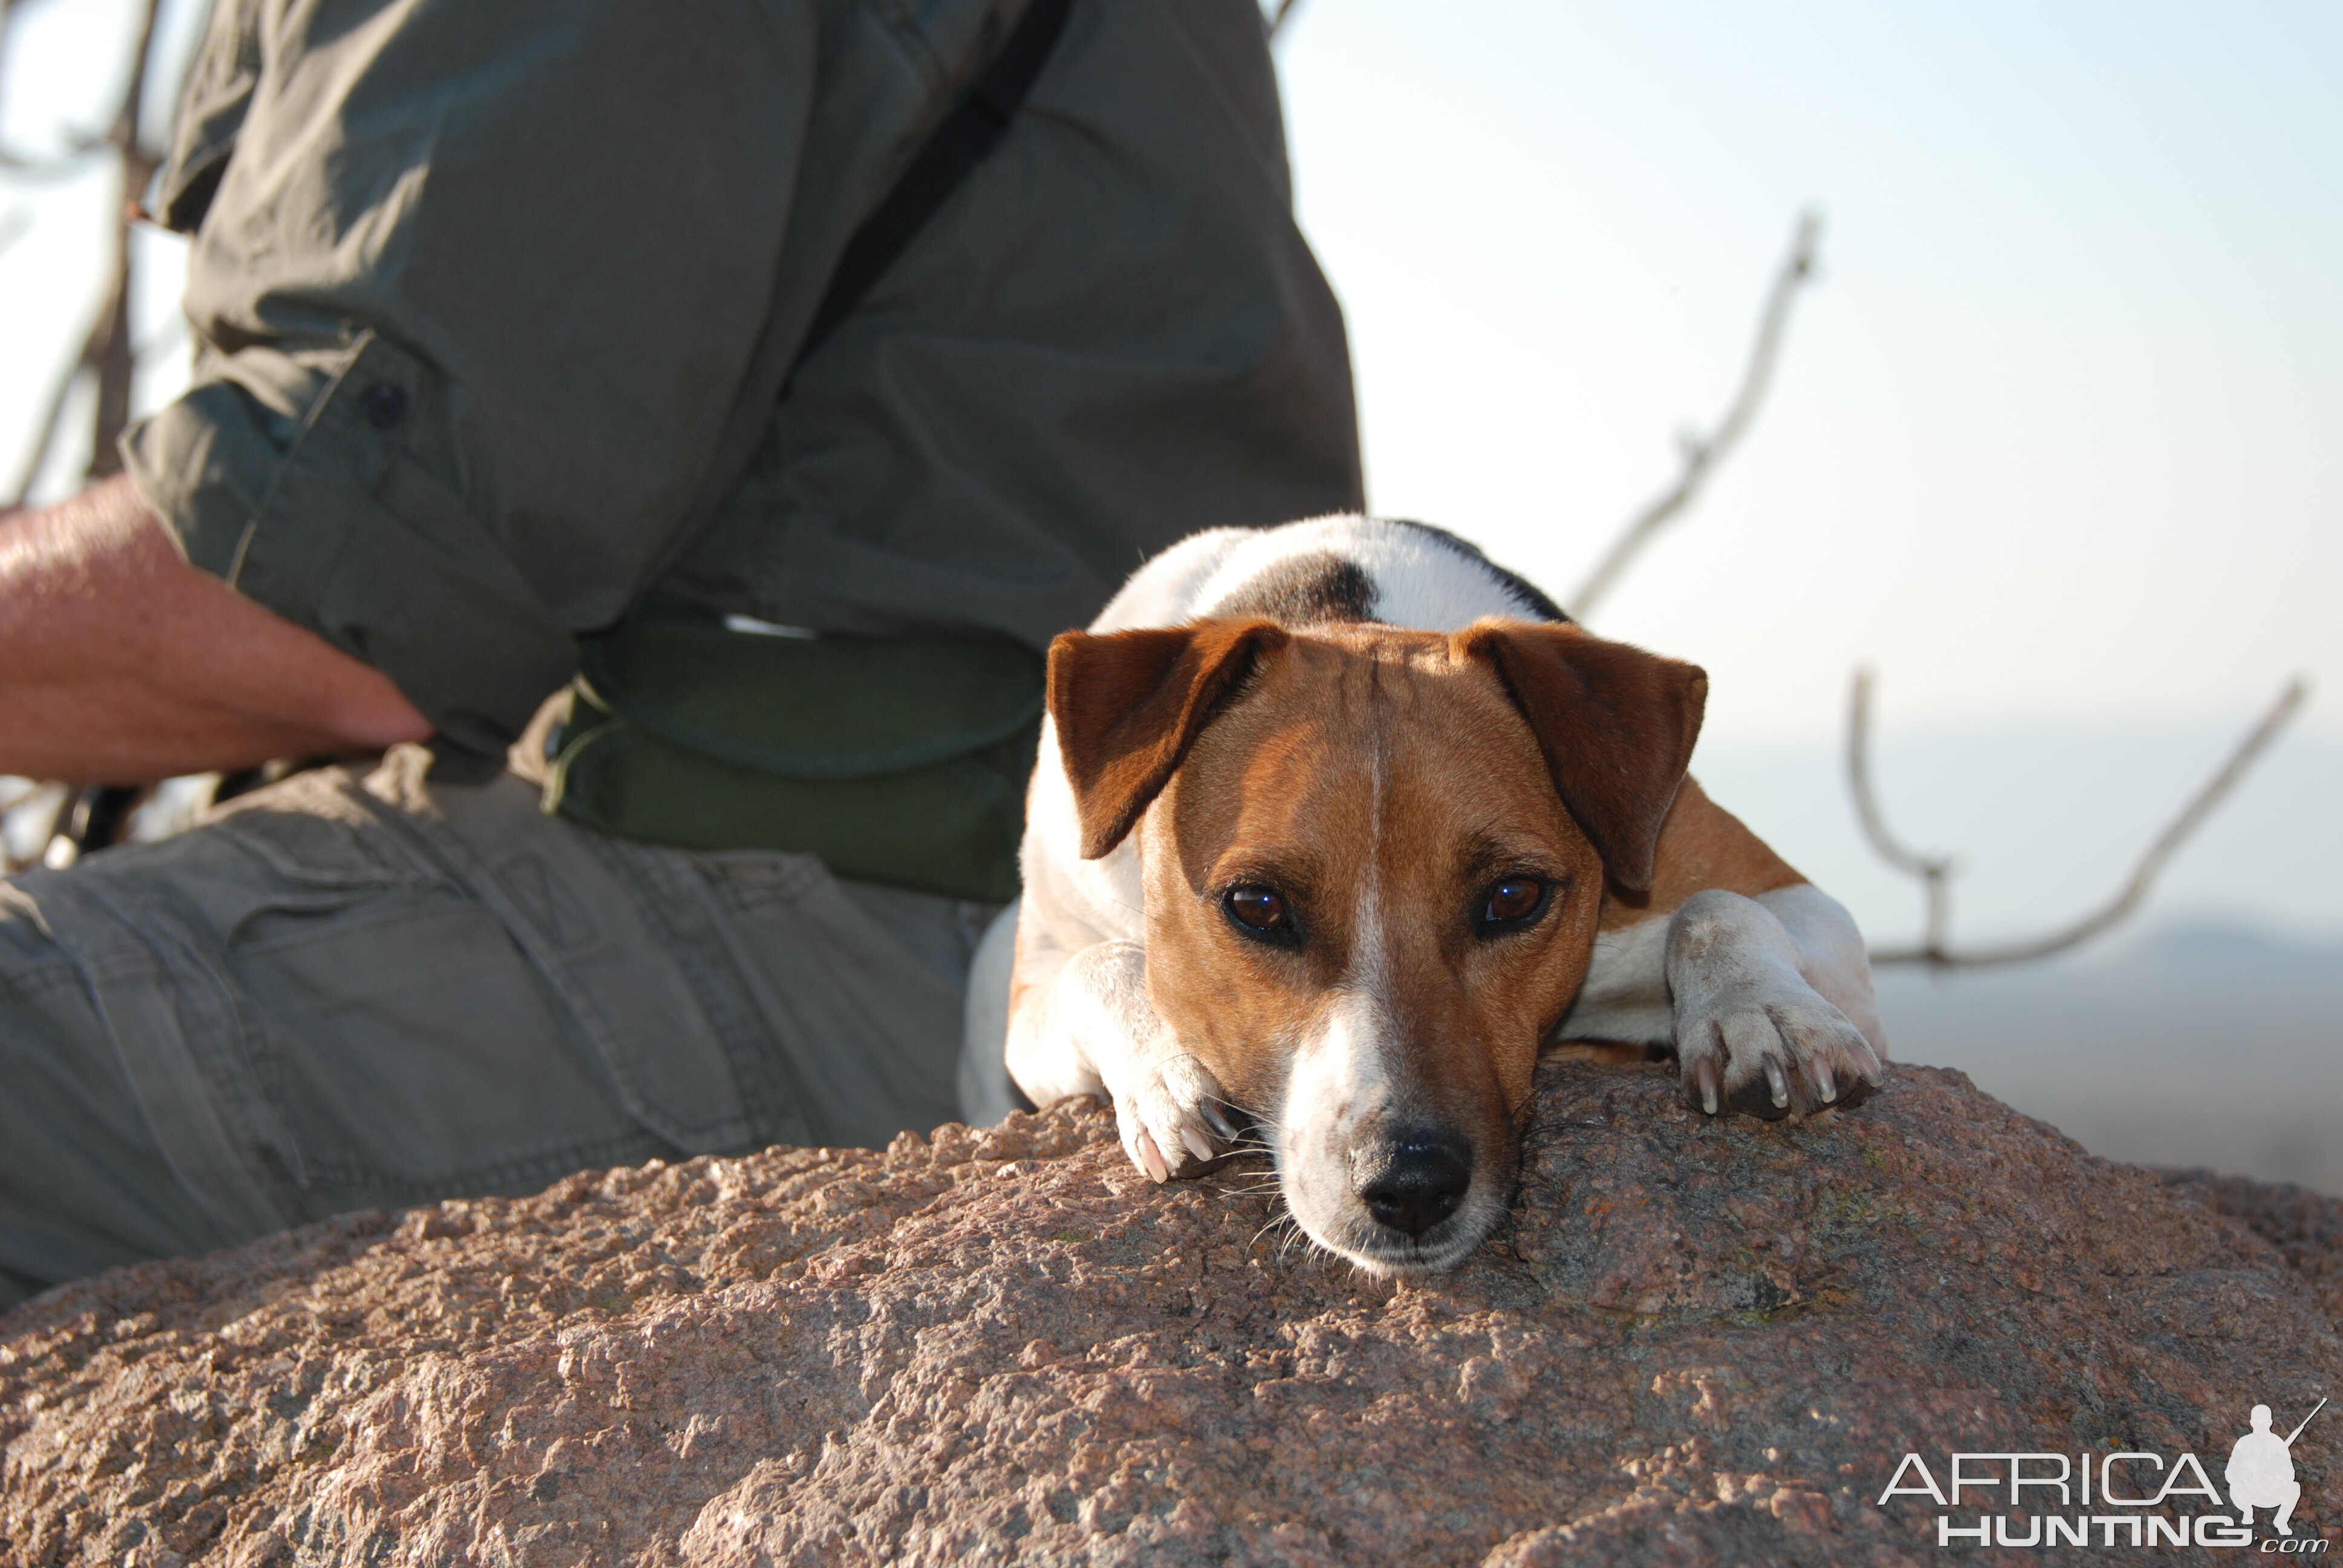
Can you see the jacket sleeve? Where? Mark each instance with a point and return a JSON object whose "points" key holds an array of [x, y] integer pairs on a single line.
{"points": [[477, 289]]}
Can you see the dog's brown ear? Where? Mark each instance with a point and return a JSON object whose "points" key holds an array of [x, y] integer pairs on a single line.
{"points": [[1616, 726], [1128, 703]]}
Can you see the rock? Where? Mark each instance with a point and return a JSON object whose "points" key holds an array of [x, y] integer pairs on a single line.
{"points": [[1697, 1341], [2305, 1227]]}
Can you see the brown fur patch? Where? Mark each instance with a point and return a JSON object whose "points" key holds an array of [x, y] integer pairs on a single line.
{"points": [[1127, 705], [1616, 726], [1701, 845], [1369, 776]]}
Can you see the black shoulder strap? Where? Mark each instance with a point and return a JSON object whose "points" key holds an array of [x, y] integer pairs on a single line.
{"points": [[970, 132]]}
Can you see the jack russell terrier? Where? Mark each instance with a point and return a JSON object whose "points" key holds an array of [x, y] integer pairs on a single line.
{"points": [[1339, 824]]}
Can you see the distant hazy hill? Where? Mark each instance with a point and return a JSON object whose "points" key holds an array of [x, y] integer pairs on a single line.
{"points": [[2199, 1044], [2211, 1033], [2043, 823]]}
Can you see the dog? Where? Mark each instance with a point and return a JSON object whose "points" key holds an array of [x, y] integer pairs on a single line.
{"points": [[1338, 826]]}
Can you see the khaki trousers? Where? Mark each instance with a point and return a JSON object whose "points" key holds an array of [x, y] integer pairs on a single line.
{"points": [[343, 992]]}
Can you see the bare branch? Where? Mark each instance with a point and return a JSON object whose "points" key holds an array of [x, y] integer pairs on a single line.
{"points": [[1935, 948], [1703, 454], [1935, 871], [106, 353], [111, 353], [124, 134], [111, 356]]}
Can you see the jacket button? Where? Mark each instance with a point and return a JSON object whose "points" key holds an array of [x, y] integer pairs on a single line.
{"points": [[384, 405]]}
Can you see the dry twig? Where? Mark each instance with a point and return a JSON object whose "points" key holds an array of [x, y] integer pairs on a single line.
{"points": [[1703, 454], [110, 352], [1935, 871], [107, 355]]}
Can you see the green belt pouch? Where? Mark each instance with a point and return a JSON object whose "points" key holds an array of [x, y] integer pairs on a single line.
{"points": [[897, 761]]}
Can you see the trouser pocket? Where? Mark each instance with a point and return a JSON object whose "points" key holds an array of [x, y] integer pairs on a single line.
{"points": [[323, 1001]]}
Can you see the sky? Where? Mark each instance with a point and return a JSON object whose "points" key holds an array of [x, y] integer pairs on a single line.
{"points": [[2054, 437], [2052, 443]]}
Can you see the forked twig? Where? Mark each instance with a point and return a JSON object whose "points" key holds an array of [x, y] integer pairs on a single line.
{"points": [[1934, 872], [1703, 454]]}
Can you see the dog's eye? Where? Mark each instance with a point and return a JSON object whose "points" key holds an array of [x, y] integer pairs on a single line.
{"points": [[1260, 910], [1510, 903]]}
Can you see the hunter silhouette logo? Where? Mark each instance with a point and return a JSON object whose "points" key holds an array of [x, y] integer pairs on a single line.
{"points": [[2261, 1471]]}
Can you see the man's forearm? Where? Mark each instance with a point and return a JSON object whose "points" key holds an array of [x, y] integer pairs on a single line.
{"points": [[120, 662]]}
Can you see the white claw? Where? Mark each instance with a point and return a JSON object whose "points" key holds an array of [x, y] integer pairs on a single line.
{"points": [[1775, 1082], [1707, 1075], [1826, 1086], [1197, 1144], [1150, 1159]]}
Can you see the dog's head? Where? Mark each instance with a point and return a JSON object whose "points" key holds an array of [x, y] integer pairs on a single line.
{"points": [[1375, 860]]}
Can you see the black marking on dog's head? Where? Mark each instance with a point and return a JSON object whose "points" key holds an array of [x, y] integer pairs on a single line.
{"points": [[1305, 591], [1520, 587]]}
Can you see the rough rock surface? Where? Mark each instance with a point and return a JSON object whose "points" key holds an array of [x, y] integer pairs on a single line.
{"points": [[1697, 1341]]}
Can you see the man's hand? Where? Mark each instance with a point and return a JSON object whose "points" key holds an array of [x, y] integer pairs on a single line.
{"points": [[119, 662]]}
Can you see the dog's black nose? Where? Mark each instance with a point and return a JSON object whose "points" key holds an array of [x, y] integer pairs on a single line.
{"points": [[1418, 1182]]}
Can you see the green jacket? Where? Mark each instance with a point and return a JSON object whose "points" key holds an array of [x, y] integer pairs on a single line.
{"points": [[494, 300]]}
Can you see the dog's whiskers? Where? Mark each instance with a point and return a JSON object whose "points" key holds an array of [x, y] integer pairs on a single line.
{"points": [[1282, 1219]]}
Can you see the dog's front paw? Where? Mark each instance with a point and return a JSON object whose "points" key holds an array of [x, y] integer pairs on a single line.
{"points": [[1751, 1032], [1772, 1052], [1170, 1107]]}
